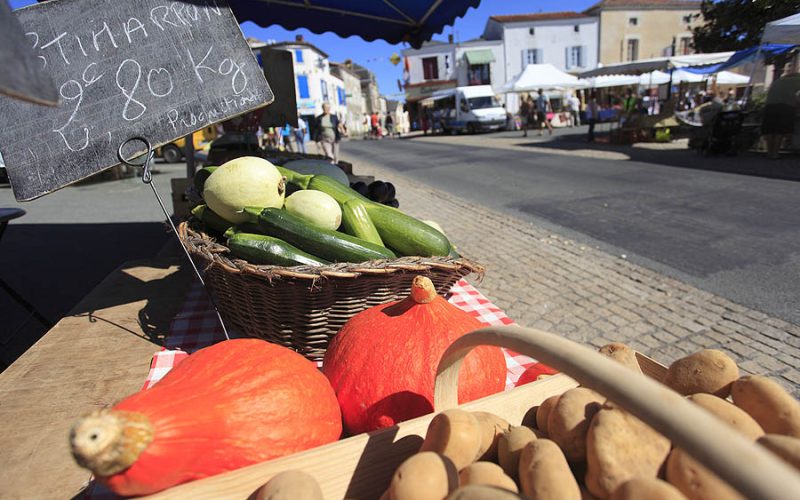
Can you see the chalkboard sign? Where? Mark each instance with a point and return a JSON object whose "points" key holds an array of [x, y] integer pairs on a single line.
{"points": [[149, 68]]}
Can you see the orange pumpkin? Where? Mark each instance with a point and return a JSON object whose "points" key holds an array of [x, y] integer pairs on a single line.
{"points": [[226, 406], [383, 361]]}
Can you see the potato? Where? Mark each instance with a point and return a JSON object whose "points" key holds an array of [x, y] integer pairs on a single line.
{"points": [[543, 413], [786, 447], [708, 371], [732, 415], [482, 492], [486, 473], [622, 354], [544, 473], [492, 427], [510, 447], [426, 475], [695, 481], [642, 488], [620, 447], [569, 421], [290, 485], [455, 434], [769, 404]]}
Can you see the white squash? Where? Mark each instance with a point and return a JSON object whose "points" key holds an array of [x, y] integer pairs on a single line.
{"points": [[315, 207], [248, 181]]}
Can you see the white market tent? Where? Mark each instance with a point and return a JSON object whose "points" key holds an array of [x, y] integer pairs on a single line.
{"points": [[658, 63], [786, 30], [541, 76], [722, 78], [653, 78], [604, 81]]}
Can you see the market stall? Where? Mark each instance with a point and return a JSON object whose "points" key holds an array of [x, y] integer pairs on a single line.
{"points": [[304, 271]]}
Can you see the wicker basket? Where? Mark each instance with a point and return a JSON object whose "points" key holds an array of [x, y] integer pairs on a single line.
{"points": [[303, 307]]}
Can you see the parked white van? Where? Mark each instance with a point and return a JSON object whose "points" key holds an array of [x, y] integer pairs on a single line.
{"points": [[468, 109]]}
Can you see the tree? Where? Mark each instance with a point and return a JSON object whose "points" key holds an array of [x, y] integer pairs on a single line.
{"points": [[738, 24]]}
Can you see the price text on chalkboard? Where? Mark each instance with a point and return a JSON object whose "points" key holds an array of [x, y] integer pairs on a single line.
{"points": [[148, 68]]}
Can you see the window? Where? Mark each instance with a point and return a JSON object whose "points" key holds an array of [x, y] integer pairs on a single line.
{"points": [[532, 56], [576, 28], [324, 87], [632, 53], [483, 102], [575, 57], [531, 31], [298, 55], [479, 74], [464, 106], [430, 68], [302, 86], [633, 21], [685, 46]]}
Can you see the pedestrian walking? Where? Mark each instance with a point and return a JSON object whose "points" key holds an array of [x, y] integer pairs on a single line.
{"points": [[574, 105], [592, 114], [300, 135], [286, 137], [543, 107], [374, 125], [525, 112], [327, 133], [783, 100], [389, 124]]}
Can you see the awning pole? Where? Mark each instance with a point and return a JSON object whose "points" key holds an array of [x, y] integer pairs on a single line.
{"points": [[747, 91]]}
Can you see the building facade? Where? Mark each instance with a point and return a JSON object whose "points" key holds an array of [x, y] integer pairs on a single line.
{"points": [[354, 100], [567, 40], [641, 29], [369, 88], [314, 82]]}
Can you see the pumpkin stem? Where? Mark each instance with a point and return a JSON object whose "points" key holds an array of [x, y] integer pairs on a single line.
{"points": [[109, 441], [422, 290]]}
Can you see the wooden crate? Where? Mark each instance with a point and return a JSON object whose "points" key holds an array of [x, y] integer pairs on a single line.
{"points": [[361, 467]]}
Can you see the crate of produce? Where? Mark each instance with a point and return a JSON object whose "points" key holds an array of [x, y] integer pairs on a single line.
{"points": [[617, 444], [296, 282]]}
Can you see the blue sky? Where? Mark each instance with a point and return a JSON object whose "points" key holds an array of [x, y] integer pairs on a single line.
{"points": [[375, 55]]}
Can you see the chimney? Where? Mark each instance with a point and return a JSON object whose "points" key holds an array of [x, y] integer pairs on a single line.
{"points": [[298, 38], [450, 38]]}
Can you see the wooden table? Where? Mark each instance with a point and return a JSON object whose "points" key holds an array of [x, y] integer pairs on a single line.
{"points": [[94, 356]]}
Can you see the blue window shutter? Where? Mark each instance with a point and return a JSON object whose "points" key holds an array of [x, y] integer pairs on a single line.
{"points": [[298, 55], [302, 86]]}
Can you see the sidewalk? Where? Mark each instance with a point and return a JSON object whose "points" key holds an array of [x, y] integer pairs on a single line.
{"points": [[545, 281], [571, 142]]}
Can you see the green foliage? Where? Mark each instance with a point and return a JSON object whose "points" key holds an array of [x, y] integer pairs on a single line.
{"points": [[738, 24]]}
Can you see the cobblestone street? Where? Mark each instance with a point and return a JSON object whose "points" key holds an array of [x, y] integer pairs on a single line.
{"points": [[546, 281]]}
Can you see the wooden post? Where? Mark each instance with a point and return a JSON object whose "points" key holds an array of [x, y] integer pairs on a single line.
{"points": [[189, 153]]}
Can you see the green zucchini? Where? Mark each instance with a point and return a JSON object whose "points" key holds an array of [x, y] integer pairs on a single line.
{"points": [[200, 178], [210, 219], [398, 231], [405, 234], [357, 222], [330, 245], [260, 249]]}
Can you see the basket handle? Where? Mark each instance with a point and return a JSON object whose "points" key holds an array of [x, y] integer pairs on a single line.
{"points": [[749, 468]]}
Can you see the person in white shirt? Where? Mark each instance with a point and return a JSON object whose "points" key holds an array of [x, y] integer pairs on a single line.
{"points": [[574, 110]]}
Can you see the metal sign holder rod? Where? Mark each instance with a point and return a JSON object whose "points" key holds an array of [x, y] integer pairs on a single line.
{"points": [[147, 178]]}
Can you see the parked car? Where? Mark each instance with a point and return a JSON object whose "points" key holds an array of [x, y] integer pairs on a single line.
{"points": [[174, 151]]}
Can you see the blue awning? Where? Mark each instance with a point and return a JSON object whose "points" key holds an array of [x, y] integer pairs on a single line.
{"points": [[743, 57], [412, 21]]}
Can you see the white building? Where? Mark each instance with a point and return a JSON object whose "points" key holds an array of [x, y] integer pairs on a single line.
{"points": [[354, 99], [314, 83], [437, 66]]}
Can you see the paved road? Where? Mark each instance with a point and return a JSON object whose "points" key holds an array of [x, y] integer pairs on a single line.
{"points": [[737, 236]]}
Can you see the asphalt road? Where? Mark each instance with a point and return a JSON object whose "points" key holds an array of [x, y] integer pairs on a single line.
{"points": [[734, 235]]}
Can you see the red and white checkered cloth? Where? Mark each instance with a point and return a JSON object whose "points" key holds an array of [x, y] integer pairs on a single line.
{"points": [[196, 326]]}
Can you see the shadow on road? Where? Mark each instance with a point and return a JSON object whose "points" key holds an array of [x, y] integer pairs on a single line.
{"points": [[755, 164], [54, 266]]}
